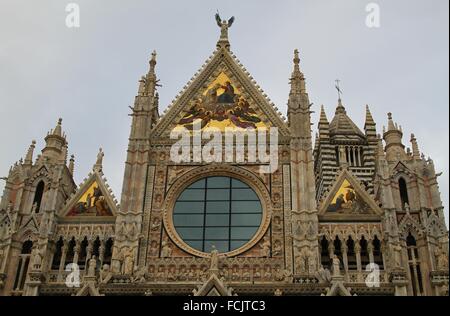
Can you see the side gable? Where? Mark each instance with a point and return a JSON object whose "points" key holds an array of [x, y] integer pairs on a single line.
{"points": [[94, 199], [348, 199]]}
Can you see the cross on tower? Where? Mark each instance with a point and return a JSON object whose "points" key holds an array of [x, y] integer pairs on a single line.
{"points": [[338, 88]]}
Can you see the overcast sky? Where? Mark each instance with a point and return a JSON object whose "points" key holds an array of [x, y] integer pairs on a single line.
{"points": [[89, 75]]}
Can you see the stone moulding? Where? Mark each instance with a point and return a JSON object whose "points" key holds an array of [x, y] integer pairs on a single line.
{"points": [[217, 170]]}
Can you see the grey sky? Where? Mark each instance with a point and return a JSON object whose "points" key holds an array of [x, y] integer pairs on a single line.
{"points": [[89, 76]]}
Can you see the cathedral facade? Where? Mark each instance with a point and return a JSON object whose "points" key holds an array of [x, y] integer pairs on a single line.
{"points": [[349, 212]]}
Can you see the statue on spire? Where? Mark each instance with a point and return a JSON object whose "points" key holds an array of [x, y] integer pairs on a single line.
{"points": [[224, 26], [99, 162]]}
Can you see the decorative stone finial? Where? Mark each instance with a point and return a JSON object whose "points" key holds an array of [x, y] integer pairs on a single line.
{"points": [[296, 57], [99, 162], [58, 129], [152, 61], [72, 164], [224, 26], [29, 155]]}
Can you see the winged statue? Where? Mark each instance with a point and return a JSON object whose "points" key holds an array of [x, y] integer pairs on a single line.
{"points": [[224, 25]]}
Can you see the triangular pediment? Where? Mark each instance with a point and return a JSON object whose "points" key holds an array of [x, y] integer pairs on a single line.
{"points": [[89, 289], [401, 167], [94, 199], [222, 94], [213, 287], [347, 198], [5, 225], [338, 289], [30, 225]]}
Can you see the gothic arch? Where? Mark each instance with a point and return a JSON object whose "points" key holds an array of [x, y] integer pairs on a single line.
{"points": [[26, 235], [434, 227], [409, 225], [41, 175]]}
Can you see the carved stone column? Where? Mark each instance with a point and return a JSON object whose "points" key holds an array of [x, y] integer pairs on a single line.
{"points": [[331, 249], [89, 249], [76, 252], [101, 252], [344, 250], [370, 251], [358, 260], [62, 262]]}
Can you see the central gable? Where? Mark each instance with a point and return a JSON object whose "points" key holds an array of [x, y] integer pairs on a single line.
{"points": [[222, 105], [222, 94]]}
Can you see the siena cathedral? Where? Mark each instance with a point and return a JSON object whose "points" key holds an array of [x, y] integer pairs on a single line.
{"points": [[349, 212]]}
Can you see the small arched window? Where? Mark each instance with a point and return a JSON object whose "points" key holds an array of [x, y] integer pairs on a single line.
{"points": [[403, 192], [365, 260], [70, 251], [38, 196], [22, 266], [414, 265], [96, 248], [324, 254], [108, 251], [58, 254], [338, 248], [351, 255], [82, 255], [377, 254]]}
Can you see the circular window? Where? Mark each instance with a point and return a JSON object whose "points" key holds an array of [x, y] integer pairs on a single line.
{"points": [[217, 211]]}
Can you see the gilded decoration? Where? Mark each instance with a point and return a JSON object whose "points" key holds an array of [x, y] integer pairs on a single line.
{"points": [[91, 203], [221, 105], [347, 200]]}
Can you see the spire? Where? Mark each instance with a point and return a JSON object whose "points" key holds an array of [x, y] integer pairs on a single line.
{"points": [[340, 109], [299, 107], [369, 118], [324, 125], [323, 116], [393, 135], [72, 164], [380, 146], [395, 150], [55, 143], [58, 130], [30, 152], [370, 126], [342, 127], [150, 81], [391, 125], [415, 148], [298, 85]]}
